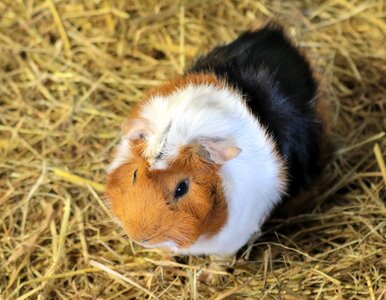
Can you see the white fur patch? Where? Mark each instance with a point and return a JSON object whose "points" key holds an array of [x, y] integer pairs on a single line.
{"points": [[121, 156], [251, 181]]}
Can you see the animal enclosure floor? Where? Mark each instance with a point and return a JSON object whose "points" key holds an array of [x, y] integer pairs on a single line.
{"points": [[69, 73]]}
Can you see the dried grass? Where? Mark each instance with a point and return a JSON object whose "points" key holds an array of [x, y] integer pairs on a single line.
{"points": [[70, 71]]}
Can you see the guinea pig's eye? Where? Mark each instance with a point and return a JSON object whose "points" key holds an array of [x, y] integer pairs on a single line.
{"points": [[135, 175], [181, 189]]}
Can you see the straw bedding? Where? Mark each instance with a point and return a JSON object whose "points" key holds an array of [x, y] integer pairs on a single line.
{"points": [[70, 70]]}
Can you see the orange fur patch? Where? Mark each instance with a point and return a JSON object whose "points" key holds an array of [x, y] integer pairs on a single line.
{"points": [[323, 111], [326, 145], [146, 206], [182, 81], [283, 175], [207, 175], [270, 23]]}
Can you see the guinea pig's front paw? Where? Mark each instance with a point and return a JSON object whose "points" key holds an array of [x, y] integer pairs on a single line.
{"points": [[210, 278], [216, 271]]}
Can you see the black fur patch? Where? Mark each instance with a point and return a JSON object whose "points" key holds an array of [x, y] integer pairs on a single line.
{"points": [[279, 88]]}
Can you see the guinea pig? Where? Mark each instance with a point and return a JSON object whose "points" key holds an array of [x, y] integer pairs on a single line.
{"points": [[204, 159]]}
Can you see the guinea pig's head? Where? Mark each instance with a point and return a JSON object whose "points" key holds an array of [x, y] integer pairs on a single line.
{"points": [[174, 206]]}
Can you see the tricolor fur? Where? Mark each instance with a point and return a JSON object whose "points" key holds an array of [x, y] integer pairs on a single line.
{"points": [[199, 109], [234, 128]]}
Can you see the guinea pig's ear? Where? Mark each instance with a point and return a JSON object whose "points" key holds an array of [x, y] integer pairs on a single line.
{"points": [[217, 151], [134, 129]]}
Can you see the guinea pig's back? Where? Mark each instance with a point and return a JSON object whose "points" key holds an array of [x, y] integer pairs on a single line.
{"points": [[277, 83]]}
